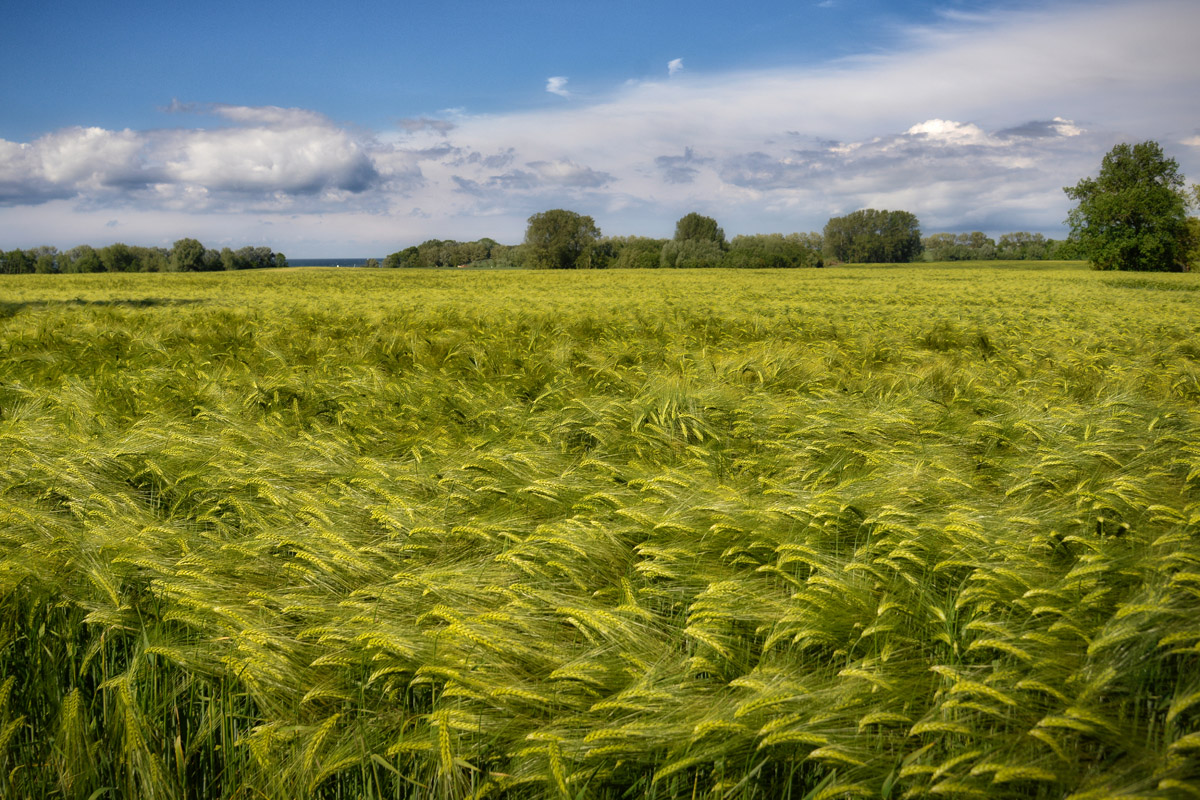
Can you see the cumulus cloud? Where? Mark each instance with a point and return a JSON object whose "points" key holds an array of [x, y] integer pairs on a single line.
{"points": [[268, 152], [95, 157], [558, 85], [295, 160], [674, 65], [22, 178], [949, 132]]}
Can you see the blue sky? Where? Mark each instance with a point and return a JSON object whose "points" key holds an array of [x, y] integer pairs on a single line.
{"points": [[361, 128]]}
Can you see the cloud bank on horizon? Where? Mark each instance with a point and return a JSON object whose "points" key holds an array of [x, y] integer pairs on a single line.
{"points": [[975, 123]]}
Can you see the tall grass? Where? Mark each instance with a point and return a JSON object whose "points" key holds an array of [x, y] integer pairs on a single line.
{"points": [[848, 533]]}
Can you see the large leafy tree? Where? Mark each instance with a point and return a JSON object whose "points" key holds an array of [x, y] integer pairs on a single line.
{"points": [[869, 236], [561, 239], [697, 227], [1134, 214], [187, 255]]}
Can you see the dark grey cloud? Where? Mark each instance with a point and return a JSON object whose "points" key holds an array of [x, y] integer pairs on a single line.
{"points": [[421, 124], [517, 179], [759, 170], [497, 160], [404, 180], [441, 152], [540, 175], [32, 192], [468, 186], [680, 169], [1040, 129], [497, 185]]}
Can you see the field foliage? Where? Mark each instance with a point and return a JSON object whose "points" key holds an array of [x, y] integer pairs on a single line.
{"points": [[892, 532]]}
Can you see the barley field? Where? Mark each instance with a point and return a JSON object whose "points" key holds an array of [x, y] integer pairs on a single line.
{"points": [[911, 532]]}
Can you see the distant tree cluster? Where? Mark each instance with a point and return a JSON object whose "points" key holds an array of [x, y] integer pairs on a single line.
{"points": [[449, 253], [978, 246], [869, 236], [562, 239], [186, 255]]}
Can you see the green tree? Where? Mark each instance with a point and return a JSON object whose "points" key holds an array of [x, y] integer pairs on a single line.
{"points": [[1133, 215], [939, 246], [402, 258], [691, 254], [873, 237], [118, 257], [1022, 245], [1193, 251], [635, 252], [372, 263], [187, 255], [83, 259], [965, 246], [46, 259], [697, 227], [774, 251], [229, 259], [560, 239], [151, 259], [16, 262]]}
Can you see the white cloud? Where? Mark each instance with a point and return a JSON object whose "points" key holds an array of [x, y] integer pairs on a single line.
{"points": [[558, 85], [949, 132], [1191, 141], [565, 172], [93, 156], [1066, 127], [303, 159], [674, 65], [270, 116], [273, 152]]}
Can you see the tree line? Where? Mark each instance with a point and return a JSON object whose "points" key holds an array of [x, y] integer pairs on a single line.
{"points": [[978, 246], [563, 239], [186, 255]]}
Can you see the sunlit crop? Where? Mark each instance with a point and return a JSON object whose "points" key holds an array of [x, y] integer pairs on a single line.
{"points": [[895, 532]]}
